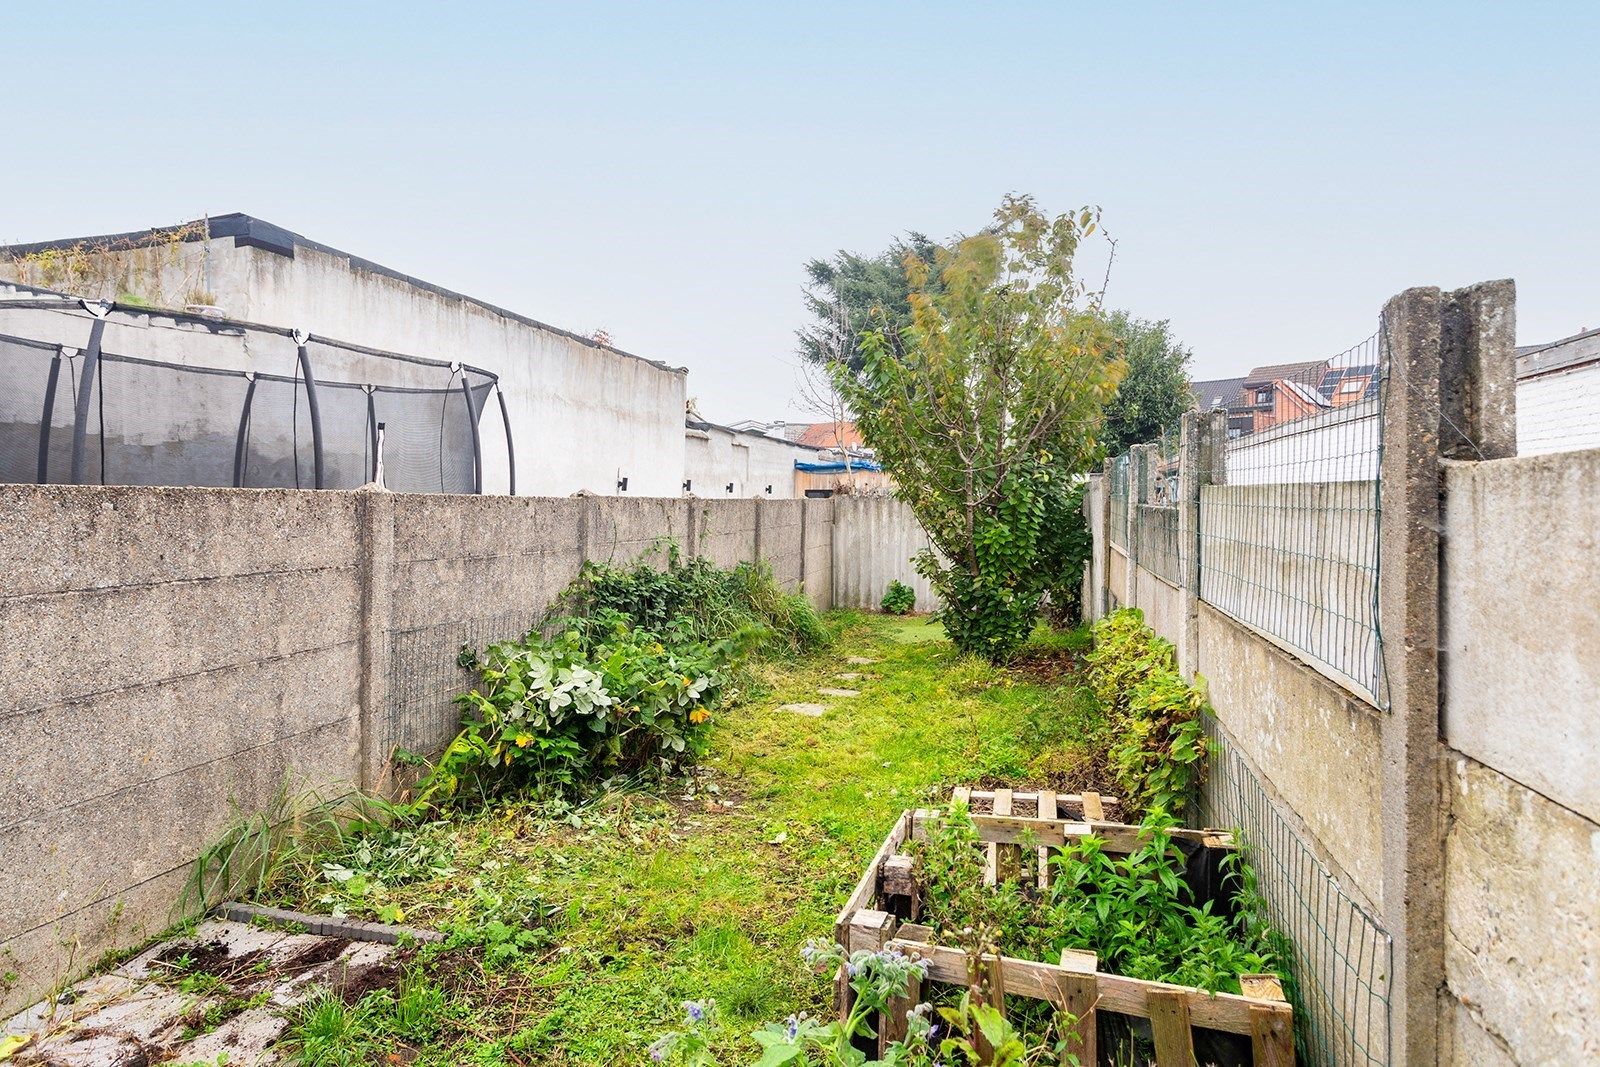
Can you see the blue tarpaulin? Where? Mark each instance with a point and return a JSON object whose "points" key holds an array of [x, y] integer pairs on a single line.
{"points": [[836, 467]]}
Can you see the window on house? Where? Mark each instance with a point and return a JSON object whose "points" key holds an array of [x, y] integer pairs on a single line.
{"points": [[1352, 385], [1264, 396]]}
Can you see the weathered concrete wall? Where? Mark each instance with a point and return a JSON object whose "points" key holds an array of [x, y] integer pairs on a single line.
{"points": [[1316, 744], [1162, 604], [167, 653], [1117, 577], [1522, 907], [716, 458], [817, 519], [1521, 578], [1520, 678], [162, 653], [874, 540]]}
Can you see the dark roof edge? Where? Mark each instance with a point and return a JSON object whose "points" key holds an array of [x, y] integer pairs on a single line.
{"points": [[247, 230], [1564, 354], [701, 424]]}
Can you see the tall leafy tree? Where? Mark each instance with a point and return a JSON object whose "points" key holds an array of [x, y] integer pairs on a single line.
{"points": [[987, 411], [1155, 390], [862, 294]]}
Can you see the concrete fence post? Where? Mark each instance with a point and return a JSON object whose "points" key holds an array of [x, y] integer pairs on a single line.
{"points": [[375, 521], [1408, 608], [1449, 368], [1101, 528], [1141, 479], [1203, 437], [1478, 384]]}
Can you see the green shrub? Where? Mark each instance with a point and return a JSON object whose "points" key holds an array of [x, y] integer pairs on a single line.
{"points": [[1135, 912], [601, 698], [745, 603], [1154, 739], [899, 598]]}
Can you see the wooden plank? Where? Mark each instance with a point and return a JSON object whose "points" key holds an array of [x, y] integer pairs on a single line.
{"points": [[892, 1025], [867, 930], [1093, 811], [1169, 1026], [867, 887], [1007, 858], [1271, 1036], [870, 930], [1047, 810], [1076, 995], [1067, 804], [1117, 838], [899, 880], [992, 968], [1127, 996]]}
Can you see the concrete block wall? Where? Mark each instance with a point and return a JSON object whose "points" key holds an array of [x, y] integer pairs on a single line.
{"points": [[817, 519], [163, 654], [1520, 676], [170, 656]]}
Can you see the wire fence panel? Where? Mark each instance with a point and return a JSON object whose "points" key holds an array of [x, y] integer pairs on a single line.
{"points": [[1118, 533], [1341, 956], [426, 676], [155, 422], [1157, 544], [1289, 516]]}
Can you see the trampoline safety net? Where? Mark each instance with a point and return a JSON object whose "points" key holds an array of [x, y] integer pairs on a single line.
{"points": [[97, 416]]}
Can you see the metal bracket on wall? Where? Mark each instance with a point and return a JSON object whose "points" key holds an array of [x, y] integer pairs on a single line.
{"points": [[301, 340], [243, 436], [86, 387]]}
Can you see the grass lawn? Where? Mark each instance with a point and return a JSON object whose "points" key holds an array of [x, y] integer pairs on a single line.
{"points": [[707, 887]]}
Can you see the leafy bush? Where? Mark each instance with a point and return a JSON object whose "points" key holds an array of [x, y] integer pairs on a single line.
{"points": [[899, 598], [744, 604], [603, 697], [1156, 746], [986, 410]]}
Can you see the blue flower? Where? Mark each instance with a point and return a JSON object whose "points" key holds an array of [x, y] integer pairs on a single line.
{"points": [[794, 1027], [696, 1010]]}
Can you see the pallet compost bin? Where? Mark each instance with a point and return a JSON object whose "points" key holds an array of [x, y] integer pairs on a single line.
{"points": [[882, 911]]}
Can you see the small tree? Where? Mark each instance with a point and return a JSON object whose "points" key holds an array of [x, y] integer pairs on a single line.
{"points": [[864, 294], [990, 413], [1155, 390]]}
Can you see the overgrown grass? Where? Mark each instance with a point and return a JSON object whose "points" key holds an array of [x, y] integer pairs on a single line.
{"points": [[576, 931]]}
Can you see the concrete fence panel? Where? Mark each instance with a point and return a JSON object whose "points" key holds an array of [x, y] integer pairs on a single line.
{"points": [[170, 657], [875, 539]]}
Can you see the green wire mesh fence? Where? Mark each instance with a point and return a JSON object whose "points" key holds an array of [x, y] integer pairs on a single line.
{"points": [[1118, 531], [1289, 513], [1157, 544], [1341, 958]]}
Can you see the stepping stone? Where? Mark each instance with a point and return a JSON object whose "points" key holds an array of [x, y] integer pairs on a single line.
{"points": [[850, 676], [812, 710], [860, 661], [840, 692]]}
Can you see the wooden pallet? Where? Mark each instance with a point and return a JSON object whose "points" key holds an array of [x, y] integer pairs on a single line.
{"points": [[881, 912]]}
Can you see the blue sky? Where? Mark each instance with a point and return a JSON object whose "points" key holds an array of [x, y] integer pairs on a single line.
{"points": [[1272, 173]]}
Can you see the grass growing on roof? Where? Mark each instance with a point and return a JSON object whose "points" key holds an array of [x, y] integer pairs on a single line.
{"points": [[589, 925]]}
